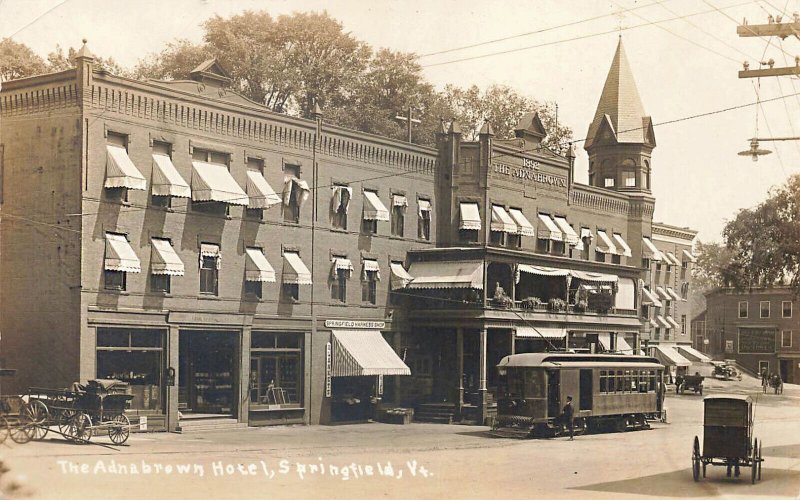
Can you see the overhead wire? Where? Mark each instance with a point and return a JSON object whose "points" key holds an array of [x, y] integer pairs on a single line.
{"points": [[35, 20]]}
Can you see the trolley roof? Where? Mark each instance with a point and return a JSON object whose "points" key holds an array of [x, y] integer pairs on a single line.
{"points": [[734, 397], [575, 360]]}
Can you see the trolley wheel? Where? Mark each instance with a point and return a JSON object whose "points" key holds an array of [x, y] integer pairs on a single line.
{"points": [[120, 429], [760, 459], [696, 459], [63, 422], [754, 464], [40, 417], [4, 429], [620, 424], [21, 430], [80, 428]]}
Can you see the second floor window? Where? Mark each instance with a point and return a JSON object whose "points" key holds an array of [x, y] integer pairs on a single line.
{"points": [[743, 309], [340, 205], [399, 205], [369, 284], [763, 309], [340, 273], [786, 306], [120, 259], [114, 280], [209, 269], [424, 221]]}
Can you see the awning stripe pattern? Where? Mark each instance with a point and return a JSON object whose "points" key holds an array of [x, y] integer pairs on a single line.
{"points": [[166, 179], [260, 192], [210, 250], [542, 271], [501, 221], [622, 245], [359, 353], [400, 277], [341, 264], [570, 236], [164, 259], [673, 261], [689, 257], [692, 354], [650, 298], [120, 170], [595, 277], [462, 274], [213, 182], [120, 255], [663, 293], [257, 267], [295, 271], [673, 323], [605, 245], [374, 208], [673, 294], [669, 356], [371, 266], [541, 332], [398, 200], [524, 226], [550, 231], [649, 250], [470, 216]]}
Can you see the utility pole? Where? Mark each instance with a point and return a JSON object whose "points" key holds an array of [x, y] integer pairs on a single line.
{"points": [[409, 119]]}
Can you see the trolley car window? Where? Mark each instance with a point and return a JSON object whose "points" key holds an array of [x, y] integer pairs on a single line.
{"points": [[515, 383], [603, 381], [535, 385]]}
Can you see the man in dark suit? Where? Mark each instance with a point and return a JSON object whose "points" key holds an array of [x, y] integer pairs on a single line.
{"points": [[568, 417]]}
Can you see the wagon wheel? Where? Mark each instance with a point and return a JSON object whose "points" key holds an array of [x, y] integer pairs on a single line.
{"points": [[696, 459], [754, 464], [40, 417], [4, 429], [21, 429], [63, 422], [80, 428], [119, 429], [760, 459]]}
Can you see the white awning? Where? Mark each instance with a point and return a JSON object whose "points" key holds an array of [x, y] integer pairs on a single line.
{"points": [[585, 239], [649, 297], [649, 250], [257, 267], [524, 226], [470, 216], [541, 332], [623, 346], [653, 323], [164, 259], [374, 208], [259, 191], [625, 297], [462, 274], [674, 324], [120, 255], [120, 170], [550, 231], [294, 271], [424, 206], [398, 200], [570, 236], [166, 179], [400, 277], [542, 270], [501, 221], [595, 277], [689, 256], [692, 354], [604, 339], [209, 250], [663, 293], [605, 245], [213, 182], [363, 353], [297, 186], [371, 265], [672, 259], [663, 323], [673, 294], [669, 356], [341, 264], [622, 245]]}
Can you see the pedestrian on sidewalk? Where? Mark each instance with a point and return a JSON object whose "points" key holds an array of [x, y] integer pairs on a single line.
{"points": [[568, 417]]}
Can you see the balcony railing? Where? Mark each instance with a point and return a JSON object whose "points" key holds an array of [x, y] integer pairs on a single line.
{"points": [[519, 306]]}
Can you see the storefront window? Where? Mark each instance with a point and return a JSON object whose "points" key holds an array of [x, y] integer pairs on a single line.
{"points": [[276, 369], [136, 357]]}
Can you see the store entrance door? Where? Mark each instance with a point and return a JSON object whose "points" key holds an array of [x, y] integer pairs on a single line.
{"points": [[208, 372]]}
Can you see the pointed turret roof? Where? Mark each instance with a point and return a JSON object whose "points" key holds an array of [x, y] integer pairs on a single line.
{"points": [[621, 107]]}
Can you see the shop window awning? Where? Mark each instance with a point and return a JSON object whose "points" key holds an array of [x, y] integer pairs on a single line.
{"points": [[359, 353], [120, 170], [374, 209], [594, 277], [462, 274], [673, 294], [295, 271], [120, 255], [501, 221], [604, 244], [398, 200], [371, 266], [622, 245], [541, 332], [653, 323], [548, 229], [400, 277], [688, 256], [470, 216], [663, 293], [213, 182], [424, 208], [663, 323], [166, 179], [585, 239], [649, 297], [649, 250], [524, 226], [692, 354], [623, 346], [257, 267], [570, 236], [542, 270], [673, 261], [259, 192], [668, 356], [674, 324], [164, 259]]}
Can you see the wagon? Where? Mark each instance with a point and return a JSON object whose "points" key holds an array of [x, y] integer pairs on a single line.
{"points": [[15, 415], [690, 382], [727, 437]]}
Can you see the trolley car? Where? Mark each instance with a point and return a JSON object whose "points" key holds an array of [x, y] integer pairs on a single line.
{"points": [[610, 392]]}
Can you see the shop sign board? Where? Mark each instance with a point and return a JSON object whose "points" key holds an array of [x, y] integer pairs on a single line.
{"points": [[328, 359], [344, 323], [756, 340]]}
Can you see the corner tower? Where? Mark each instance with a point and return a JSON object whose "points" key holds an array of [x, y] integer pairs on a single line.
{"points": [[620, 139]]}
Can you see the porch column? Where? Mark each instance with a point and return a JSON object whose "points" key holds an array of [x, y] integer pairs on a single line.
{"points": [[482, 371], [513, 342], [172, 390], [460, 369]]}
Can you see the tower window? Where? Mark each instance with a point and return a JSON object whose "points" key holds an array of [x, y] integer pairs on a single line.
{"points": [[608, 182], [629, 179]]}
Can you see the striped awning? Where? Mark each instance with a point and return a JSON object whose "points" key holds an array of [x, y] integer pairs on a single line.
{"points": [[594, 277], [213, 182], [400, 277], [570, 236], [120, 255], [542, 270], [295, 271], [164, 260], [649, 250], [461, 274], [120, 170], [374, 209], [257, 267], [604, 244], [548, 229], [623, 346], [470, 216], [370, 266], [673, 294], [663, 293], [650, 297], [359, 353], [669, 356], [501, 221], [663, 323], [622, 245], [398, 200], [673, 323], [673, 261], [689, 256], [259, 191], [541, 332], [341, 264], [166, 179], [524, 226], [692, 354]]}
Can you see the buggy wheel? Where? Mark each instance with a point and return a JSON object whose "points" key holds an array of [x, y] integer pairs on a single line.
{"points": [[21, 430], [80, 428], [696, 459], [120, 429], [754, 462], [63, 422], [40, 417], [4, 429], [760, 459]]}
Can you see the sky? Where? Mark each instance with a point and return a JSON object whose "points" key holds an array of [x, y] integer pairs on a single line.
{"points": [[685, 55]]}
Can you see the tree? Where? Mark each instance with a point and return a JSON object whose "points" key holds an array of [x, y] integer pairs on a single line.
{"points": [[18, 61], [57, 61], [711, 271], [175, 62]]}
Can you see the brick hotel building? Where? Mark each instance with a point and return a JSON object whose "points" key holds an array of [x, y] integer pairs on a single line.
{"points": [[228, 261]]}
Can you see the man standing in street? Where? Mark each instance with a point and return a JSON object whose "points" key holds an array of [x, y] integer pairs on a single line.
{"points": [[567, 415]]}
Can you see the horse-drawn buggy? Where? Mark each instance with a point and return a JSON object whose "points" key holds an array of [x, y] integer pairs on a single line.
{"points": [[82, 411], [727, 437]]}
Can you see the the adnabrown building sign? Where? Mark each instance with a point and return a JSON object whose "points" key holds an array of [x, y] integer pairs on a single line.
{"points": [[529, 172]]}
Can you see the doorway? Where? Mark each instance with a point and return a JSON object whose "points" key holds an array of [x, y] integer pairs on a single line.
{"points": [[786, 370], [763, 367], [585, 390], [208, 372]]}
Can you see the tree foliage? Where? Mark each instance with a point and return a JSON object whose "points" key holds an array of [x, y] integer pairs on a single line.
{"points": [[58, 61], [18, 61]]}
